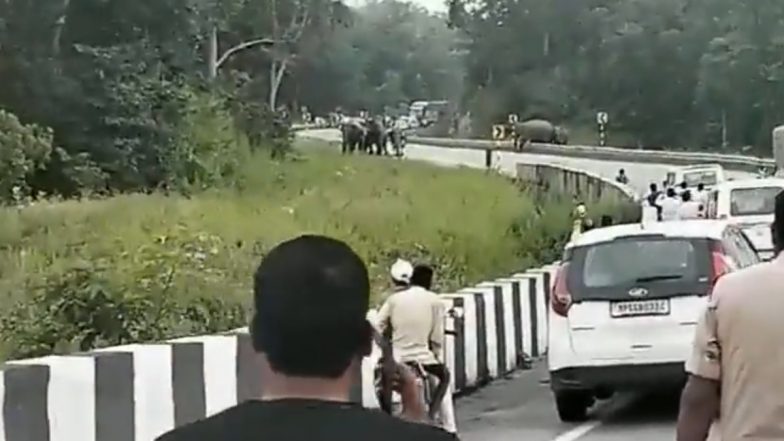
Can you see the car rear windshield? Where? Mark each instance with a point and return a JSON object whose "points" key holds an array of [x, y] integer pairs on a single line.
{"points": [[665, 267], [702, 177], [753, 201]]}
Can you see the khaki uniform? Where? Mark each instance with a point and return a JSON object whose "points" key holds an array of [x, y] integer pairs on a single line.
{"points": [[740, 343]]}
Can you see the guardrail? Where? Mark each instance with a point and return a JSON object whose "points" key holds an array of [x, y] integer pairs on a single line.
{"points": [[734, 162], [137, 392]]}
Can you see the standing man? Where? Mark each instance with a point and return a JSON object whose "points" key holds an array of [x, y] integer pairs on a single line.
{"points": [[310, 330], [670, 206], [654, 200], [735, 370]]}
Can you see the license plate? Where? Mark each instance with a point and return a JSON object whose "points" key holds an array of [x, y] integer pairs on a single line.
{"points": [[640, 307]]}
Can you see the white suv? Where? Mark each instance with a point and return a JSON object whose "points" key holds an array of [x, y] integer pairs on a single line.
{"points": [[625, 303]]}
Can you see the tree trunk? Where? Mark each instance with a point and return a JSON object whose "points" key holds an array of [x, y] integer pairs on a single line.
{"points": [[277, 70], [212, 54], [59, 26]]}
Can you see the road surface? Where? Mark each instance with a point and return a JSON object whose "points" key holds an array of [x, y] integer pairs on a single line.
{"points": [[521, 408], [640, 174]]}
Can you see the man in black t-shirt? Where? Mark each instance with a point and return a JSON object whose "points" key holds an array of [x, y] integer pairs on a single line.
{"points": [[311, 296]]}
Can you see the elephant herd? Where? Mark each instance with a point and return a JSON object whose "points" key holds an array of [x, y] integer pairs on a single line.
{"points": [[371, 136]]}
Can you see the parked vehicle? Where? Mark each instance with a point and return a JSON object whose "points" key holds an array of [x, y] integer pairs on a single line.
{"points": [[749, 204], [625, 304], [708, 175]]}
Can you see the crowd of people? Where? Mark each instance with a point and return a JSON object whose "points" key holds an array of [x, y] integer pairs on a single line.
{"points": [[677, 203]]}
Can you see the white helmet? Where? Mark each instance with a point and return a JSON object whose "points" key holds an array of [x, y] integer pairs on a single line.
{"points": [[401, 271]]}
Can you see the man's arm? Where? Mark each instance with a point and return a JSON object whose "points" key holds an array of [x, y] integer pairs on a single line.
{"points": [[700, 402], [382, 318], [701, 398]]}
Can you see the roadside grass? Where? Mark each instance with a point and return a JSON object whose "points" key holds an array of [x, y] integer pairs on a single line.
{"points": [[80, 274]]}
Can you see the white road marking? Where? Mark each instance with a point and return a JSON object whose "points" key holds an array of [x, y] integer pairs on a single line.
{"points": [[578, 432]]}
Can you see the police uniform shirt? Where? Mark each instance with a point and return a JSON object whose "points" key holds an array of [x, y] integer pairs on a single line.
{"points": [[740, 343]]}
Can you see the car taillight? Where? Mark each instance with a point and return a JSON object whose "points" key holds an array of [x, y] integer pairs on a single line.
{"points": [[719, 265], [560, 299]]}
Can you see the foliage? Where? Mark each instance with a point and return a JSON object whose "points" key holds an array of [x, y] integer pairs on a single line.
{"points": [[79, 274], [674, 73], [23, 150]]}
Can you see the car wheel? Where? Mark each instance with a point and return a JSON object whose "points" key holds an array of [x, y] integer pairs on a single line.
{"points": [[572, 406]]}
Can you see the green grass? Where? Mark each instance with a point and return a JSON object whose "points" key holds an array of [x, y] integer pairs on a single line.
{"points": [[80, 274]]}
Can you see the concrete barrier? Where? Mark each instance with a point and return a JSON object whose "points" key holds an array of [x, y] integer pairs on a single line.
{"points": [[584, 185], [734, 162], [137, 392]]}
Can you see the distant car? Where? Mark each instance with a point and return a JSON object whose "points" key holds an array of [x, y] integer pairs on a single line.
{"points": [[625, 303], [709, 175], [749, 204]]}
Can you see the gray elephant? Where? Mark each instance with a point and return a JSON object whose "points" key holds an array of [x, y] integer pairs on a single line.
{"points": [[539, 130], [375, 141], [353, 134]]}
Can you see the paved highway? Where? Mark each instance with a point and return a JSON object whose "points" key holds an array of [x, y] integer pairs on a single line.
{"points": [[640, 174], [521, 408]]}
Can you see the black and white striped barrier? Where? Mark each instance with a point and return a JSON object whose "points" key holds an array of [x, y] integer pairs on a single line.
{"points": [[137, 392]]}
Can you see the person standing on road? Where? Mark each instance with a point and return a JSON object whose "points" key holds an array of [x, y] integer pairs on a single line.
{"points": [[735, 370], [670, 206], [311, 297], [654, 200], [689, 209]]}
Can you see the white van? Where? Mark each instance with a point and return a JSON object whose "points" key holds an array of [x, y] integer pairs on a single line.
{"points": [[749, 204], [709, 175]]}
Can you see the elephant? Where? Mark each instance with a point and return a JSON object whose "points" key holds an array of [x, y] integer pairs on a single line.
{"points": [[375, 140], [539, 130], [353, 134]]}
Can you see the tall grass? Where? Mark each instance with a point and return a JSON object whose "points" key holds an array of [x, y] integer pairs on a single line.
{"points": [[80, 274]]}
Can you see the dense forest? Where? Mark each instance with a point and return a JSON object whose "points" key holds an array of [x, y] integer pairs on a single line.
{"points": [[116, 95]]}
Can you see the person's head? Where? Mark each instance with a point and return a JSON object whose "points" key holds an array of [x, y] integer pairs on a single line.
{"points": [[422, 276], [606, 220], [621, 172], [684, 186], [700, 187], [777, 228], [580, 210], [401, 272], [686, 196], [311, 297], [654, 188], [671, 192]]}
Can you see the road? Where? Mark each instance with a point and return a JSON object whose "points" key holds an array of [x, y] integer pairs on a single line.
{"points": [[521, 408]]}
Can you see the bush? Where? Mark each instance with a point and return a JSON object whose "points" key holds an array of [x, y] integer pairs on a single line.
{"points": [[23, 150], [80, 274]]}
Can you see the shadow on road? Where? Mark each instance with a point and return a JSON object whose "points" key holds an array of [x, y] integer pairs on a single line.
{"points": [[661, 407]]}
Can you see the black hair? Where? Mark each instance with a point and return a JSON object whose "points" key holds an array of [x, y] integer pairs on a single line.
{"points": [[671, 192], [700, 186], [777, 228], [686, 196], [621, 171], [422, 276], [684, 185], [654, 187], [311, 296]]}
